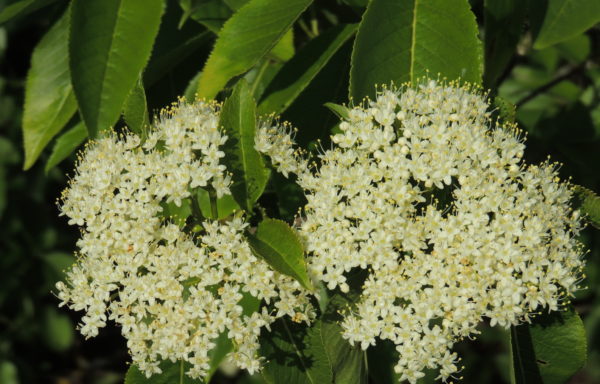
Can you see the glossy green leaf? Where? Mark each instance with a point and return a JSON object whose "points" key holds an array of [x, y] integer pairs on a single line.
{"points": [[66, 144], [403, 41], [563, 19], [110, 43], [279, 245], [297, 73], [589, 203], [296, 354], [249, 173], [22, 8], [49, 98], [550, 350], [245, 38], [172, 373], [504, 24], [135, 110]]}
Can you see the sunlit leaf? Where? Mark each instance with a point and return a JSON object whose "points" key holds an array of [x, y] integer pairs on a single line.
{"points": [[280, 246], [403, 41], [49, 98], [249, 173], [110, 43], [245, 38]]}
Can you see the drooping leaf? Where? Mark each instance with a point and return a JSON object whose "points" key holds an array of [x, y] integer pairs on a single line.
{"points": [[66, 144], [49, 98], [402, 41], [504, 21], [589, 204], [245, 38], [110, 43], [22, 8], [550, 350], [297, 73], [295, 354], [280, 246], [249, 173], [135, 110], [563, 19]]}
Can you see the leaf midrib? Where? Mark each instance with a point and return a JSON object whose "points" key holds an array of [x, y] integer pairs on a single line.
{"points": [[413, 43], [105, 67], [241, 110]]}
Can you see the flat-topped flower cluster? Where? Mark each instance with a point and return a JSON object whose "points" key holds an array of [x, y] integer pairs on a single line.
{"points": [[172, 291], [422, 189]]}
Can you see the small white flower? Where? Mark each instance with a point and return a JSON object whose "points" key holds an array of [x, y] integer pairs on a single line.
{"points": [[171, 293], [422, 190]]}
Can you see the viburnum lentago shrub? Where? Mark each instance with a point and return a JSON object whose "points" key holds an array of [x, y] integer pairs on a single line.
{"points": [[172, 290], [424, 191]]}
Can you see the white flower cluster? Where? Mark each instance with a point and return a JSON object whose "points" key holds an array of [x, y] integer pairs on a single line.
{"points": [[173, 293], [421, 190]]}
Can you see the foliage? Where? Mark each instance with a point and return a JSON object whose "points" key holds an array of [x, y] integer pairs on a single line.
{"points": [[73, 69]]}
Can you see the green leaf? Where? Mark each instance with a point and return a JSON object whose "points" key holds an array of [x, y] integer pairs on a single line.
{"points": [[342, 112], [177, 214], [49, 98], [505, 110], [110, 43], [279, 245], [135, 111], [550, 350], [9, 374], [402, 41], [589, 203], [210, 13], [297, 73], [296, 354], [226, 205], [249, 174], [284, 49], [504, 21], [235, 4], [58, 330], [347, 362], [563, 19], [66, 144], [172, 373], [165, 60], [22, 8], [245, 38]]}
